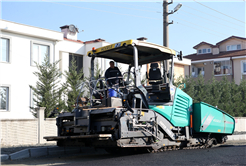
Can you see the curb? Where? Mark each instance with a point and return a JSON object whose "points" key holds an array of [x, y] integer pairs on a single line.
{"points": [[236, 137], [46, 151]]}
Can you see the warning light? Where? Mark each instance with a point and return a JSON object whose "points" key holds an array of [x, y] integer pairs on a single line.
{"points": [[57, 108], [93, 49]]}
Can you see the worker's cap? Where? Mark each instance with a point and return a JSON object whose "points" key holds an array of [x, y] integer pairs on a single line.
{"points": [[111, 62]]}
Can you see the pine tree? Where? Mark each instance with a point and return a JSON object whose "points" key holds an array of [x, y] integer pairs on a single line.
{"points": [[236, 98], [72, 85], [190, 87], [242, 90], [200, 89], [225, 99], [214, 90], [46, 92]]}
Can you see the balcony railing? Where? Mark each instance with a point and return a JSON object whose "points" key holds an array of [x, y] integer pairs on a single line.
{"points": [[194, 74]]}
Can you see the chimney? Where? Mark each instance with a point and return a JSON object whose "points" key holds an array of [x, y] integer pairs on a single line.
{"points": [[69, 31], [142, 39]]}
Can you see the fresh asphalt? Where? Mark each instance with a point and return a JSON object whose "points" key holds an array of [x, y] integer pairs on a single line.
{"points": [[233, 153]]}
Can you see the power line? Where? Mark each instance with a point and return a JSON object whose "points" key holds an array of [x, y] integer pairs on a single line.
{"points": [[211, 15], [194, 15], [133, 16], [144, 6], [200, 29], [126, 7], [198, 25], [212, 21], [101, 10], [219, 12]]}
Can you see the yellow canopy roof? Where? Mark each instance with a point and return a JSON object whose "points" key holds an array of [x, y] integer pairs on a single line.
{"points": [[123, 52]]}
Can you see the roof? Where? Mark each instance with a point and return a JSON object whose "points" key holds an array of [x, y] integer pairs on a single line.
{"points": [[217, 44], [93, 41], [242, 38], [226, 54], [77, 41], [202, 43], [123, 52]]}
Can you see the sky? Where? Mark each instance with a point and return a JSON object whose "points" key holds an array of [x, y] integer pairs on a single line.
{"points": [[115, 21]]}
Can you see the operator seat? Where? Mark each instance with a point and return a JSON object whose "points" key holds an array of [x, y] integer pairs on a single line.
{"points": [[154, 74]]}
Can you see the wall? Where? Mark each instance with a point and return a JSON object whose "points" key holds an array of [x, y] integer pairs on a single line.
{"points": [[223, 46], [18, 132], [215, 51], [18, 74], [187, 70], [237, 67], [203, 46], [240, 124], [27, 131], [209, 70], [178, 70]]}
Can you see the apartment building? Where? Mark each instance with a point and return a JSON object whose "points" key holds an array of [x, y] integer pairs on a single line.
{"points": [[225, 58], [22, 45]]}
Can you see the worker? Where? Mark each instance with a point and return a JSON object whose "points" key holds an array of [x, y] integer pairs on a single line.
{"points": [[112, 71]]}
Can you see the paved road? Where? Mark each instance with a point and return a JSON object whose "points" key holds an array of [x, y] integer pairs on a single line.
{"points": [[230, 154]]}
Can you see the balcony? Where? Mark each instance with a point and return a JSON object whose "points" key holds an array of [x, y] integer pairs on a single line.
{"points": [[196, 74]]}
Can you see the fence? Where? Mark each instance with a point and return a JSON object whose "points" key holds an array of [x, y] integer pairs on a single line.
{"points": [[27, 131], [31, 131]]}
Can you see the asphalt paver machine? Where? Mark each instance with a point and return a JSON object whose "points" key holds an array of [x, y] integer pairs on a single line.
{"points": [[155, 118]]}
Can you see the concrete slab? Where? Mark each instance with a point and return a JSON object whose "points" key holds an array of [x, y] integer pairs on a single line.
{"points": [[56, 150], [20, 155], [236, 137], [4, 157], [37, 152]]}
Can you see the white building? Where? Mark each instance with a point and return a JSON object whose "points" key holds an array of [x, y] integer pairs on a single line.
{"points": [[21, 45]]}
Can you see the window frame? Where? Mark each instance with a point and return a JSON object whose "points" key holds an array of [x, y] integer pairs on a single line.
{"points": [[230, 69], [230, 46], [77, 55], [8, 109], [206, 51], [10, 49], [39, 43]]}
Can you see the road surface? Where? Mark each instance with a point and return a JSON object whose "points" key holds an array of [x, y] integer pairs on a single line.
{"points": [[233, 153]]}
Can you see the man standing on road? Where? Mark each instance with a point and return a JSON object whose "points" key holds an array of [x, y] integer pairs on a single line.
{"points": [[112, 71]]}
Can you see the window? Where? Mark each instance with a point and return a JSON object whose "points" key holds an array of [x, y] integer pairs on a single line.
{"points": [[200, 70], [79, 61], [4, 98], [222, 67], [233, 47], [204, 51], [4, 45], [244, 67], [39, 52], [197, 70]]}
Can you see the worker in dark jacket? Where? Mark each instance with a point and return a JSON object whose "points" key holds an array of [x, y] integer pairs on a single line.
{"points": [[112, 71]]}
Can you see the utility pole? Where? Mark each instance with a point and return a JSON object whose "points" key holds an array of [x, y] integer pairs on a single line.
{"points": [[166, 23], [166, 32]]}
